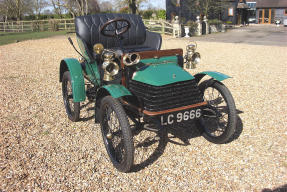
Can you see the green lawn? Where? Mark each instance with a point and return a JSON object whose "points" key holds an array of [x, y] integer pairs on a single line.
{"points": [[9, 37]]}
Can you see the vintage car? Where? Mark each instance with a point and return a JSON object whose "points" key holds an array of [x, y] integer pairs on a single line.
{"points": [[123, 71]]}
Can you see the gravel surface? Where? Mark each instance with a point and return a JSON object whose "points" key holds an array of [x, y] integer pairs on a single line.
{"points": [[42, 150]]}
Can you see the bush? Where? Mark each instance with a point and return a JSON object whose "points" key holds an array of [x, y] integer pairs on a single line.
{"points": [[192, 27], [124, 10], [182, 20], [47, 16], [29, 17], [147, 14], [214, 22], [161, 14]]}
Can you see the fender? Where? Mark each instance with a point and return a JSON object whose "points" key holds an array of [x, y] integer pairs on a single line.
{"points": [[115, 90], [215, 75], [77, 78]]}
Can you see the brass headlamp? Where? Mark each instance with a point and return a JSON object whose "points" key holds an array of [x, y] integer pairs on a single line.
{"points": [[131, 59], [110, 67], [192, 58]]}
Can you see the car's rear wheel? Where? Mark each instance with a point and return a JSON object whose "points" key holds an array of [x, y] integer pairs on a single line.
{"points": [[117, 134], [219, 118], [72, 108]]}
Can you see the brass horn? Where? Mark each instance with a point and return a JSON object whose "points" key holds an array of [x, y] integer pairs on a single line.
{"points": [[110, 67], [131, 59]]}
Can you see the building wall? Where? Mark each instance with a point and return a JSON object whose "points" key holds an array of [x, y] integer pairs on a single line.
{"points": [[186, 14], [279, 13], [257, 16], [171, 10], [183, 11], [224, 13]]}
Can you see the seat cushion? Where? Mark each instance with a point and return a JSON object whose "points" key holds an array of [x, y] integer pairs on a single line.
{"points": [[88, 29]]}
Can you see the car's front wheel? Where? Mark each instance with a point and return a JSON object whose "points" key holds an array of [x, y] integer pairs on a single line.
{"points": [[117, 134], [219, 118], [72, 108]]}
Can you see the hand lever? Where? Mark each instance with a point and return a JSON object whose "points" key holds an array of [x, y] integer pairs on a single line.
{"points": [[71, 42]]}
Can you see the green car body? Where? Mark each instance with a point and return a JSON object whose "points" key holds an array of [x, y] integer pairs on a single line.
{"points": [[135, 85], [156, 72]]}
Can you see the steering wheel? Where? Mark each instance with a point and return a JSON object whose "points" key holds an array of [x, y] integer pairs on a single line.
{"points": [[115, 27]]}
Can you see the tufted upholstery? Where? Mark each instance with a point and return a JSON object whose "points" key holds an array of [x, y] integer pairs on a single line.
{"points": [[135, 39]]}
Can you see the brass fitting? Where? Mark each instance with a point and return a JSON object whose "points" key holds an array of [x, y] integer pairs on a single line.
{"points": [[110, 67]]}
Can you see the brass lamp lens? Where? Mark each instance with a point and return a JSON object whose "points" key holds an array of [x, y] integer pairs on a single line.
{"points": [[110, 68], [196, 58]]}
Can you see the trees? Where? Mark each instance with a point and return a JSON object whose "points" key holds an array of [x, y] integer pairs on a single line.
{"points": [[132, 4], [106, 6], [15, 8], [38, 6], [211, 7], [208, 8], [94, 6], [75, 7], [57, 5]]}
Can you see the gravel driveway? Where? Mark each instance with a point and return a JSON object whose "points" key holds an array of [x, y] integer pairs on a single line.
{"points": [[255, 34], [42, 150]]}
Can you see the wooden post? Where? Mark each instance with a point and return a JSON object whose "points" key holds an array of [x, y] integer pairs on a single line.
{"points": [[42, 26], [162, 29], [22, 27], [65, 24], [4, 24], [12, 27]]}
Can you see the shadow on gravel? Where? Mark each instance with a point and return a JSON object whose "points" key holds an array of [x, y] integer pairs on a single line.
{"points": [[282, 188], [187, 132], [238, 131], [89, 107], [179, 135], [161, 139], [184, 133]]}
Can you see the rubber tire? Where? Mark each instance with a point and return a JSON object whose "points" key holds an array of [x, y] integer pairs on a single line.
{"points": [[232, 114], [75, 115], [128, 160]]}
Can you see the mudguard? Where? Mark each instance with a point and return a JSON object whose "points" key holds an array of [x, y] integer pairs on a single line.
{"points": [[215, 75], [114, 90], [77, 78]]}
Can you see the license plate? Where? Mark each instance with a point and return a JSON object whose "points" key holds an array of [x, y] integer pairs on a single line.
{"points": [[180, 117]]}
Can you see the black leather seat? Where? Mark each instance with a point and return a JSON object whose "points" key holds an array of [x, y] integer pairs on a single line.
{"points": [[136, 39]]}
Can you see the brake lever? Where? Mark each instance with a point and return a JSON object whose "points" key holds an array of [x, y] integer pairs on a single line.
{"points": [[70, 40]]}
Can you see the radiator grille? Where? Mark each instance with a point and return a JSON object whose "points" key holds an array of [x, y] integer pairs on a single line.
{"points": [[158, 98]]}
